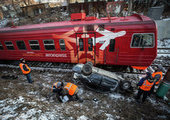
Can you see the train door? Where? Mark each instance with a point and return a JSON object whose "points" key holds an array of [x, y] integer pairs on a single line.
{"points": [[85, 47], [111, 53]]}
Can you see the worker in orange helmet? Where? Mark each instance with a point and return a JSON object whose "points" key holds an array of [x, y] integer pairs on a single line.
{"points": [[58, 89], [145, 85], [157, 76], [25, 69]]}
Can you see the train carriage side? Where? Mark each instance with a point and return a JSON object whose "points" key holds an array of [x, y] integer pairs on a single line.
{"points": [[136, 46], [52, 45], [128, 42]]}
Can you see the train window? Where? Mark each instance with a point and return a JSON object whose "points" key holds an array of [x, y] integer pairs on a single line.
{"points": [[81, 44], [21, 45], [9, 45], [89, 28], [101, 27], [143, 40], [136, 40], [90, 44], [34, 44], [49, 44], [112, 45], [147, 40], [62, 44], [1, 47]]}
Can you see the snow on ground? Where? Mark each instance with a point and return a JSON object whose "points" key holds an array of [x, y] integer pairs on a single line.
{"points": [[82, 118], [3, 23], [21, 100], [163, 44]]}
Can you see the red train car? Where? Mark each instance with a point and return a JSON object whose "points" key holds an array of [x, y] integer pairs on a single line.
{"points": [[130, 40]]}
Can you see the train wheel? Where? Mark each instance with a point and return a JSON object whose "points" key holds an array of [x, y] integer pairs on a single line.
{"points": [[87, 69]]}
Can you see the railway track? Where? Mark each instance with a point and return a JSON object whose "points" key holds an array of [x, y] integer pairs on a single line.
{"points": [[41, 66], [163, 50], [67, 67]]}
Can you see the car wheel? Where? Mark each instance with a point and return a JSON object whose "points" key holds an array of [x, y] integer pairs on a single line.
{"points": [[87, 69], [125, 85]]}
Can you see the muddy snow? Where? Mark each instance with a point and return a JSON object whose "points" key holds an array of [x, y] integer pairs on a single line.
{"points": [[20, 100]]}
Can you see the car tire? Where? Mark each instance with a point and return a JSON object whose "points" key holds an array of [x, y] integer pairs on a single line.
{"points": [[87, 69], [90, 63], [125, 85]]}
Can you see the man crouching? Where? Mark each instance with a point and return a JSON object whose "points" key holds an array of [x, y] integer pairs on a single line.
{"points": [[66, 91]]}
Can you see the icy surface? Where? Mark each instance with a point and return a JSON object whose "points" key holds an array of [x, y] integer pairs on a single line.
{"points": [[82, 118], [164, 43], [36, 102]]}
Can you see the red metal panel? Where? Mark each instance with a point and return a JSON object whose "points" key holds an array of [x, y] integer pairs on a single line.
{"points": [[78, 16]]}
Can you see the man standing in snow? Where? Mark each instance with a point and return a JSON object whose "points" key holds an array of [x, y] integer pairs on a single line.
{"points": [[25, 69], [145, 85]]}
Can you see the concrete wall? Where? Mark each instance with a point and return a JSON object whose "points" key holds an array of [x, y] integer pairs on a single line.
{"points": [[163, 28]]}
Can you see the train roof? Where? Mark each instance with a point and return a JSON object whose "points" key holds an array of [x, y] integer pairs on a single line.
{"points": [[134, 19]]}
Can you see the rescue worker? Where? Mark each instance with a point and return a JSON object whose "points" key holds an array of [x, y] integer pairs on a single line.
{"points": [[145, 85], [25, 69], [66, 89], [58, 89], [157, 76], [71, 91]]}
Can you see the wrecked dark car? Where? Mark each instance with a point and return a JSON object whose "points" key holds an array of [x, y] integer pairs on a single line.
{"points": [[99, 80]]}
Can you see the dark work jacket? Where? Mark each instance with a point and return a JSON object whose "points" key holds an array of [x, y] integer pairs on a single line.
{"points": [[25, 68]]}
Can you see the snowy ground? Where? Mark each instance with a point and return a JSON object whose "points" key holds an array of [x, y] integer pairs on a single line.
{"points": [[163, 55], [20, 100]]}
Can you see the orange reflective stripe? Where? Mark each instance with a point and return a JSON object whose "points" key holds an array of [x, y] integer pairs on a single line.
{"points": [[146, 86], [71, 88], [157, 73], [68, 86]]}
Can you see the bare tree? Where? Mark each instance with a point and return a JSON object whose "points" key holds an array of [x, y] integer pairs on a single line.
{"points": [[130, 4]]}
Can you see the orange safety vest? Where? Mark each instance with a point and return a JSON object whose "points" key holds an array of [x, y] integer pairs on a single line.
{"points": [[156, 73], [71, 88], [146, 86], [23, 71]]}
